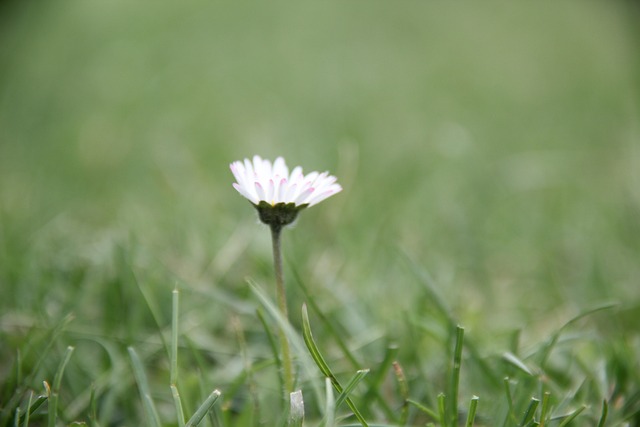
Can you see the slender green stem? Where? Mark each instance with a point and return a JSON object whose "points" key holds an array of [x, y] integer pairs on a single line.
{"points": [[282, 305]]}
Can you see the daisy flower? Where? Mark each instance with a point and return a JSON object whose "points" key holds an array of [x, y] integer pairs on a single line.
{"points": [[277, 194]]}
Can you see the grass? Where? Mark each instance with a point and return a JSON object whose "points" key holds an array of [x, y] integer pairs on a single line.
{"points": [[490, 163]]}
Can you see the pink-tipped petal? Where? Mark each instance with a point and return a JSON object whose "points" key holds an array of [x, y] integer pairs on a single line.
{"points": [[270, 192], [260, 191], [304, 196]]}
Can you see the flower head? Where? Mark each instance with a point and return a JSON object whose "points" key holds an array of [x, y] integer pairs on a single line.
{"points": [[277, 194]]}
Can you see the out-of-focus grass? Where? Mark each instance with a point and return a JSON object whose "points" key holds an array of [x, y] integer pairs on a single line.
{"points": [[494, 147]]}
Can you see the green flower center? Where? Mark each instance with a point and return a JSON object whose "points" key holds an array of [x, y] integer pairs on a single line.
{"points": [[278, 215]]}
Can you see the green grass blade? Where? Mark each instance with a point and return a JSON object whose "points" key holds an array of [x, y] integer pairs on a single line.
{"points": [[547, 349], [471, 416], [507, 391], [203, 409], [515, 361], [173, 370], [455, 381], [145, 392], [35, 405], [353, 382], [572, 416], [178, 405], [605, 411], [322, 364], [530, 412], [175, 300], [27, 413], [373, 393], [430, 412], [545, 408], [330, 408], [93, 410], [403, 388], [57, 381], [296, 409], [442, 410]]}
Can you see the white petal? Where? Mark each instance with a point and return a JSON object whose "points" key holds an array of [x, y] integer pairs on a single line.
{"points": [[296, 175], [311, 177], [270, 190], [280, 168], [260, 191], [280, 190], [290, 193], [245, 193], [249, 171], [324, 194], [303, 196]]}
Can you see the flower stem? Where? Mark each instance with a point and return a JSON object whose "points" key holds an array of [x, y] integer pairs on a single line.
{"points": [[287, 363]]}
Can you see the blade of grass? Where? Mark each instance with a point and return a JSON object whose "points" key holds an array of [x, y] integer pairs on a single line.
{"points": [[175, 306], [515, 361], [546, 350], [178, 405], [35, 405], [507, 390], [173, 371], [430, 412], [57, 381], [28, 411], [143, 385], [93, 411], [455, 382], [404, 391], [572, 416], [471, 416], [545, 408], [605, 411], [373, 393], [322, 364], [296, 409], [442, 410], [353, 382], [203, 409], [330, 409], [152, 305], [530, 412]]}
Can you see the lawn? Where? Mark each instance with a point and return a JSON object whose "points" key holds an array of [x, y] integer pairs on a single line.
{"points": [[490, 162]]}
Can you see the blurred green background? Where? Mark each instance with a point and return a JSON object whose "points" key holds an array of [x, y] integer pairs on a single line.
{"points": [[495, 145]]}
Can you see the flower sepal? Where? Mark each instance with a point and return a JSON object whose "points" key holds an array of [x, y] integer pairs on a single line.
{"points": [[278, 215]]}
